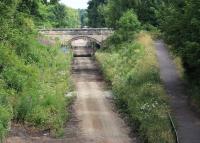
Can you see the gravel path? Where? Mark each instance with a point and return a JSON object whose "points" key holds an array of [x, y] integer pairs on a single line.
{"points": [[99, 122], [188, 124]]}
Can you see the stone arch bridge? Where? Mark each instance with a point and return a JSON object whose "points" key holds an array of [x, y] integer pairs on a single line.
{"points": [[66, 35]]}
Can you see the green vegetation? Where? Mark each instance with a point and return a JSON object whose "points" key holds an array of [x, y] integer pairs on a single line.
{"points": [[34, 76], [109, 11], [130, 64], [61, 16], [33, 87], [95, 13], [177, 20], [34, 90], [83, 17], [133, 71], [48, 14], [57, 15]]}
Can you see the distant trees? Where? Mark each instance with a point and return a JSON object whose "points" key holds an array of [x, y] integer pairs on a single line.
{"points": [[49, 13], [83, 17], [95, 15], [107, 12], [54, 1], [63, 16], [59, 15], [114, 9]]}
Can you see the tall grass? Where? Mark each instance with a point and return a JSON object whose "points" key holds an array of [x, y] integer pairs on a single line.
{"points": [[133, 71], [32, 87]]}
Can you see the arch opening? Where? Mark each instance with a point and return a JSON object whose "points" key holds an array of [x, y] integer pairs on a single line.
{"points": [[86, 38], [83, 46]]}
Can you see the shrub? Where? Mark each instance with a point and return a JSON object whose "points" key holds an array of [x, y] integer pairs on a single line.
{"points": [[127, 26], [129, 22]]}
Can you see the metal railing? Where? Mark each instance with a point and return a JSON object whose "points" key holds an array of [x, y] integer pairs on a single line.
{"points": [[173, 128]]}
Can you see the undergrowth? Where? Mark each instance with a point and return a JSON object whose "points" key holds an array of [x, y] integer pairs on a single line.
{"points": [[32, 86], [133, 71]]}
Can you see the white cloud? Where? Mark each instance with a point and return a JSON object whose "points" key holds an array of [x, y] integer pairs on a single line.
{"points": [[82, 4]]}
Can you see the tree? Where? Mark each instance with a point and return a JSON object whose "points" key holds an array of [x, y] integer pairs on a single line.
{"points": [[95, 16], [54, 2], [146, 10], [59, 15], [73, 18], [29, 6], [127, 26], [83, 17], [181, 26]]}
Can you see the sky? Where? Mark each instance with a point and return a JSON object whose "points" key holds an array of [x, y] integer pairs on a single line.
{"points": [[82, 4]]}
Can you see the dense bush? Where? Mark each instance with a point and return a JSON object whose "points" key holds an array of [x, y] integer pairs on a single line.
{"points": [[133, 71]]}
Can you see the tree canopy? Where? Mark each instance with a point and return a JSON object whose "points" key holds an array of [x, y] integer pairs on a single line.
{"points": [[95, 14]]}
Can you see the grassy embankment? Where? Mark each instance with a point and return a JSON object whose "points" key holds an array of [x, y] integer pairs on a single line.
{"points": [[32, 86], [133, 71]]}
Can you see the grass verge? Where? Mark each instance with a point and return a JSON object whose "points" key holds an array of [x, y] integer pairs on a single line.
{"points": [[133, 71]]}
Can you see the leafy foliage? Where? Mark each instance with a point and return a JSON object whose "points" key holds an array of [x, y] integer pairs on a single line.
{"points": [[63, 16], [95, 15], [112, 10], [83, 17], [33, 77], [127, 26]]}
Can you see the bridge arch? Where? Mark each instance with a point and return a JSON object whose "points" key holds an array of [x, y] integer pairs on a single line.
{"points": [[67, 35], [84, 37]]}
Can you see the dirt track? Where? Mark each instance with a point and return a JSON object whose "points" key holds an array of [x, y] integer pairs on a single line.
{"points": [[99, 123], [94, 118]]}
